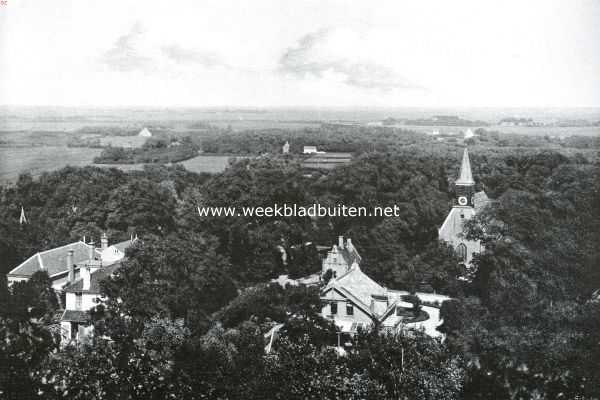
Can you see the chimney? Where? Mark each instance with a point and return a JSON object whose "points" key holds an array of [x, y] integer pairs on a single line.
{"points": [[104, 241], [349, 243], [341, 242], [91, 250], [86, 276], [70, 267]]}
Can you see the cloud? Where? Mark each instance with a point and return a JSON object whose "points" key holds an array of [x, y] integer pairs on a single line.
{"points": [[189, 56], [343, 55], [125, 55]]}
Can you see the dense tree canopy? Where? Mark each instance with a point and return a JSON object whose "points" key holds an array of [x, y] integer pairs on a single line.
{"points": [[188, 310]]}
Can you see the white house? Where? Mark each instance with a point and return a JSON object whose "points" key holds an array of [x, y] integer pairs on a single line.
{"points": [[309, 150], [56, 262], [145, 133], [351, 299], [83, 294]]}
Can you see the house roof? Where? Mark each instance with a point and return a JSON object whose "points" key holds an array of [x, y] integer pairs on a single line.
{"points": [[95, 278], [358, 284], [121, 246], [466, 177], [75, 316], [54, 261]]}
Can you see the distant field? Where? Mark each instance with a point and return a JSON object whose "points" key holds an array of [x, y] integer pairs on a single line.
{"points": [[35, 160], [197, 164], [207, 163], [123, 141], [240, 125]]}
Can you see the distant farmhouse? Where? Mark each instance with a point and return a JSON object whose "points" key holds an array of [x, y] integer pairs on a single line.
{"points": [[286, 148], [467, 204], [145, 133], [75, 270], [309, 150]]}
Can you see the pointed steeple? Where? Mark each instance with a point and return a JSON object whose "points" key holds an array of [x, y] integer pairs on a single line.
{"points": [[22, 218], [465, 178]]}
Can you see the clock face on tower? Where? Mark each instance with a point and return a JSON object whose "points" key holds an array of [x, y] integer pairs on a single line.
{"points": [[462, 200]]}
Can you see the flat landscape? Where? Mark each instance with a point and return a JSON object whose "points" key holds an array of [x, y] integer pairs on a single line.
{"points": [[35, 160]]}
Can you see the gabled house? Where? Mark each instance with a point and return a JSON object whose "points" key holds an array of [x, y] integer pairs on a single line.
{"points": [[352, 299], [83, 294], [57, 262]]}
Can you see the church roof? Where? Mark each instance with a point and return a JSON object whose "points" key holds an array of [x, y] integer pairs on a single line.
{"points": [[453, 224], [466, 177]]}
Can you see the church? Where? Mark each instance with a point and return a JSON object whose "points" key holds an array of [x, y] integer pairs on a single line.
{"points": [[467, 203]]}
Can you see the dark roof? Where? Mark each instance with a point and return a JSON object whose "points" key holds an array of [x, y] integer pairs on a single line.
{"points": [[95, 279], [326, 160], [54, 261], [75, 316]]}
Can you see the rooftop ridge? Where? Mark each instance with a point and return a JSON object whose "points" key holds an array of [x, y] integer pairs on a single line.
{"points": [[60, 247]]}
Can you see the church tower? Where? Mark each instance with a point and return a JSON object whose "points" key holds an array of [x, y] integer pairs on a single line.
{"points": [[466, 204], [465, 185]]}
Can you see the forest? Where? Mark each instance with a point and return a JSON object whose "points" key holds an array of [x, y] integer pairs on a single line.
{"points": [[187, 312]]}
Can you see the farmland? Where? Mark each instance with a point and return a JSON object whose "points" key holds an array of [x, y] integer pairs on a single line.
{"points": [[36, 160]]}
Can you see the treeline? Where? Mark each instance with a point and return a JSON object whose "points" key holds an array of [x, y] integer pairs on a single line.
{"points": [[154, 150], [328, 137], [187, 311]]}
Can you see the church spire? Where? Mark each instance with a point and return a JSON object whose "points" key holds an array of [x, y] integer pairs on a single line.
{"points": [[465, 178]]}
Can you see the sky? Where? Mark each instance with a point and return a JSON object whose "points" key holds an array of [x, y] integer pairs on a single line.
{"points": [[280, 53]]}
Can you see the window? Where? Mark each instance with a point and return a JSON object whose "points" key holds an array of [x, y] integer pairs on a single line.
{"points": [[461, 250], [78, 301], [333, 308], [349, 309], [335, 274]]}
